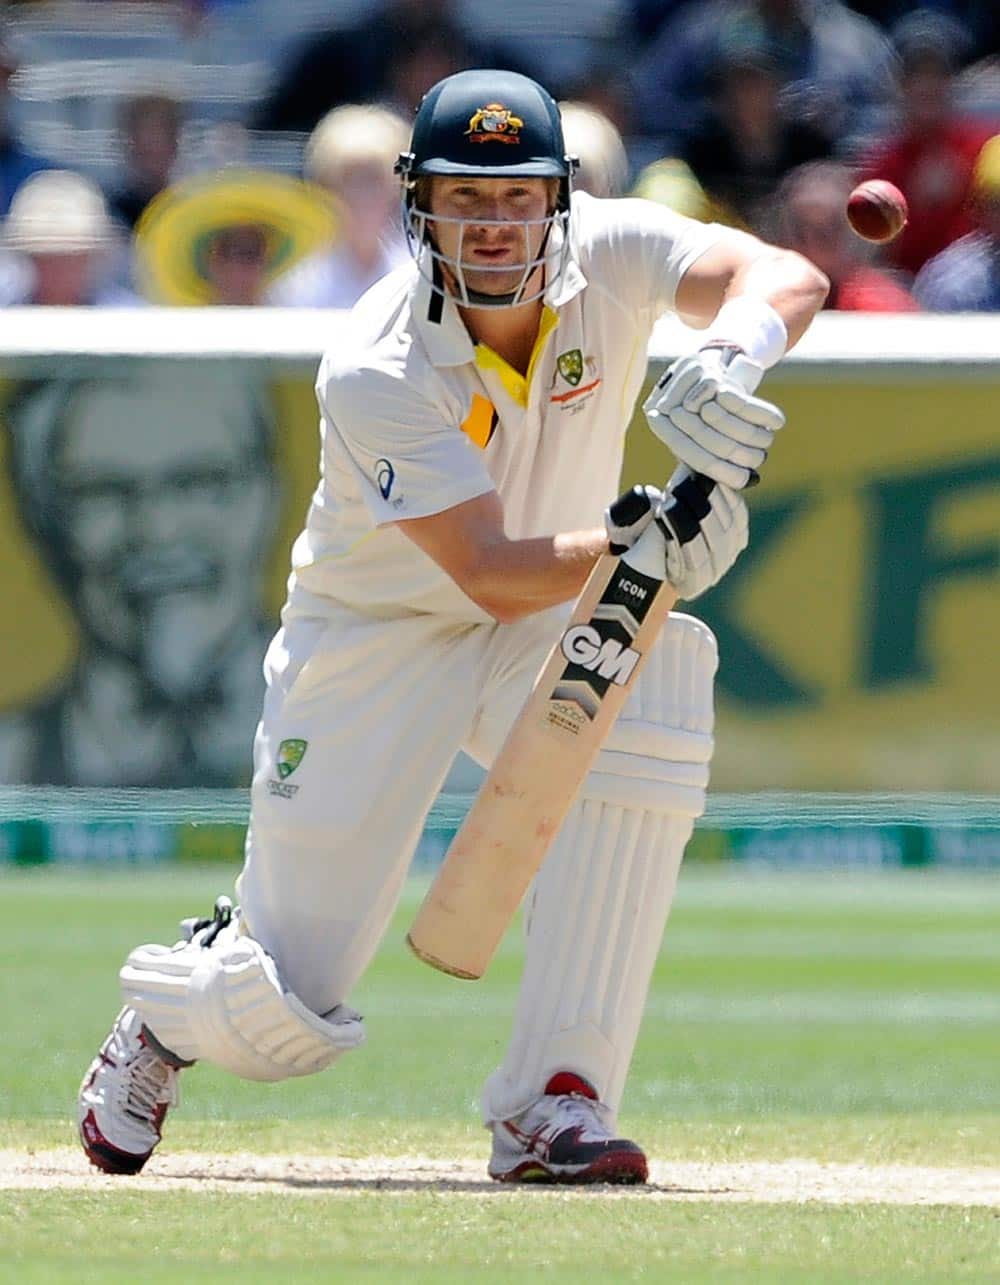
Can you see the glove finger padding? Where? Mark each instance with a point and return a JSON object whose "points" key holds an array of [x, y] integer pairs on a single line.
{"points": [[738, 429], [720, 445], [753, 410], [698, 453], [704, 391], [706, 417], [678, 380], [706, 528]]}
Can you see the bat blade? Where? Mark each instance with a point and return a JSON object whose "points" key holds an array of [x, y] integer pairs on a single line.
{"points": [[526, 795]]}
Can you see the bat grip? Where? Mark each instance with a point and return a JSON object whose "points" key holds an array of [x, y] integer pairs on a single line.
{"points": [[646, 555]]}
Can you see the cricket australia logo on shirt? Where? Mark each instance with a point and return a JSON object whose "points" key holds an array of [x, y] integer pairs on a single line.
{"points": [[571, 366], [290, 755], [291, 752], [600, 652]]}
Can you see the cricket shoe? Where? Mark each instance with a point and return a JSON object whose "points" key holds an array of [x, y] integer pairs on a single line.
{"points": [[563, 1138], [125, 1095]]}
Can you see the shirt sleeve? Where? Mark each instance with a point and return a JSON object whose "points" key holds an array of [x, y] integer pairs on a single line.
{"points": [[408, 458], [650, 248]]}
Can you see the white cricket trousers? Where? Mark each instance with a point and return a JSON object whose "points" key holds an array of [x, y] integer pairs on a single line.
{"points": [[382, 707]]}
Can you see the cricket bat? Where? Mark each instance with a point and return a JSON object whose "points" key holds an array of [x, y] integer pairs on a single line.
{"points": [[525, 797]]}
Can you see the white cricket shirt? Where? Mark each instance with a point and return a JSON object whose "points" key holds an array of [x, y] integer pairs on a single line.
{"points": [[415, 418]]}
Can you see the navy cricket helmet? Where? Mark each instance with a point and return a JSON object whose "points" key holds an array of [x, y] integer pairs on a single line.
{"points": [[485, 124], [492, 124]]}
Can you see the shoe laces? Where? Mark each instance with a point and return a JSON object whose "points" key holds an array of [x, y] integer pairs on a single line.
{"points": [[149, 1084], [576, 1110]]}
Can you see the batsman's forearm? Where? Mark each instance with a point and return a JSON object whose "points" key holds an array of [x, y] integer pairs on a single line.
{"points": [[515, 578], [794, 288], [740, 272]]}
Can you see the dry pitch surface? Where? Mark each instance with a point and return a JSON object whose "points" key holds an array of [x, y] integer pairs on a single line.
{"points": [[794, 1181]]}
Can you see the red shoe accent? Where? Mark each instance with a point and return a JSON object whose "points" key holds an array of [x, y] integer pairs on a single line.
{"points": [[103, 1155], [624, 1168], [570, 1143], [570, 1082]]}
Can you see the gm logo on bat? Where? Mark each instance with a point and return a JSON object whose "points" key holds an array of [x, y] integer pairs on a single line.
{"points": [[582, 645]]}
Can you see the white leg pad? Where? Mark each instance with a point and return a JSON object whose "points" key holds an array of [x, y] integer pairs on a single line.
{"points": [[599, 905], [227, 1004]]}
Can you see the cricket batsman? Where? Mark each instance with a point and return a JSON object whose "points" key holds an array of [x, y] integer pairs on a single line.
{"points": [[472, 417]]}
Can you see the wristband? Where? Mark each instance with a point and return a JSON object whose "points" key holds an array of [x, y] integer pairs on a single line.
{"points": [[752, 325]]}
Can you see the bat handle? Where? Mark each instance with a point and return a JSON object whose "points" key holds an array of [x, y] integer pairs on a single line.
{"points": [[646, 555]]}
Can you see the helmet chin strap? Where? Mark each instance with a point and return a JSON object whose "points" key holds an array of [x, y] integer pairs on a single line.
{"points": [[489, 300], [509, 300]]}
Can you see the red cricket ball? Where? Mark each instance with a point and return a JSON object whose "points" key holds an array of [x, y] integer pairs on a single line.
{"points": [[876, 210]]}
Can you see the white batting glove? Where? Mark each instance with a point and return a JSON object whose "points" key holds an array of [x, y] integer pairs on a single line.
{"points": [[706, 527], [629, 515], [703, 410]]}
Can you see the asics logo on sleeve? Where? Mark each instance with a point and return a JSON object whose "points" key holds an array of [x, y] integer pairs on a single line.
{"points": [[385, 475]]}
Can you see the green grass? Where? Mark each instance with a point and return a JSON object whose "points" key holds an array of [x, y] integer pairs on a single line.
{"points": [[433, 1237], [847, 1017]]}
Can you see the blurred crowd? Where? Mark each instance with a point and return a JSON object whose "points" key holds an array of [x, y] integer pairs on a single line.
{"points": [[762, 114]]}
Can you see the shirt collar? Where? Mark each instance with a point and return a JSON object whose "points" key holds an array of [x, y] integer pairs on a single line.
{"points": [[572, 280], [438, 321]]}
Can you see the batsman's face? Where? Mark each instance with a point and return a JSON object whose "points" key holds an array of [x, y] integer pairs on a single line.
{"points": [[492, 227]]}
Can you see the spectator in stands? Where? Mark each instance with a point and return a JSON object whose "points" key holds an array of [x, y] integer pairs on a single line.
{"points": [[670, 182], [607, 84], [979, 84], [59, 237], [361, 63], [429, 53], [590, 136], [839, 66], [979, 18], [225, 238], [809, 217], [351, 154], [16, 164], [150, 127], [965, 277], [931, 153], [648, 16], [747, 144], [236, 265], [982, 20]]}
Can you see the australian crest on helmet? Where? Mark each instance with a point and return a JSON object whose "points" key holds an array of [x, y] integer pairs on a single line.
{"points": [[494, 123]]}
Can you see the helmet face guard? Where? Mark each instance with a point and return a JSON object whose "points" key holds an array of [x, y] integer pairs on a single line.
{"points": [[432, 262], [486, 124]]}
